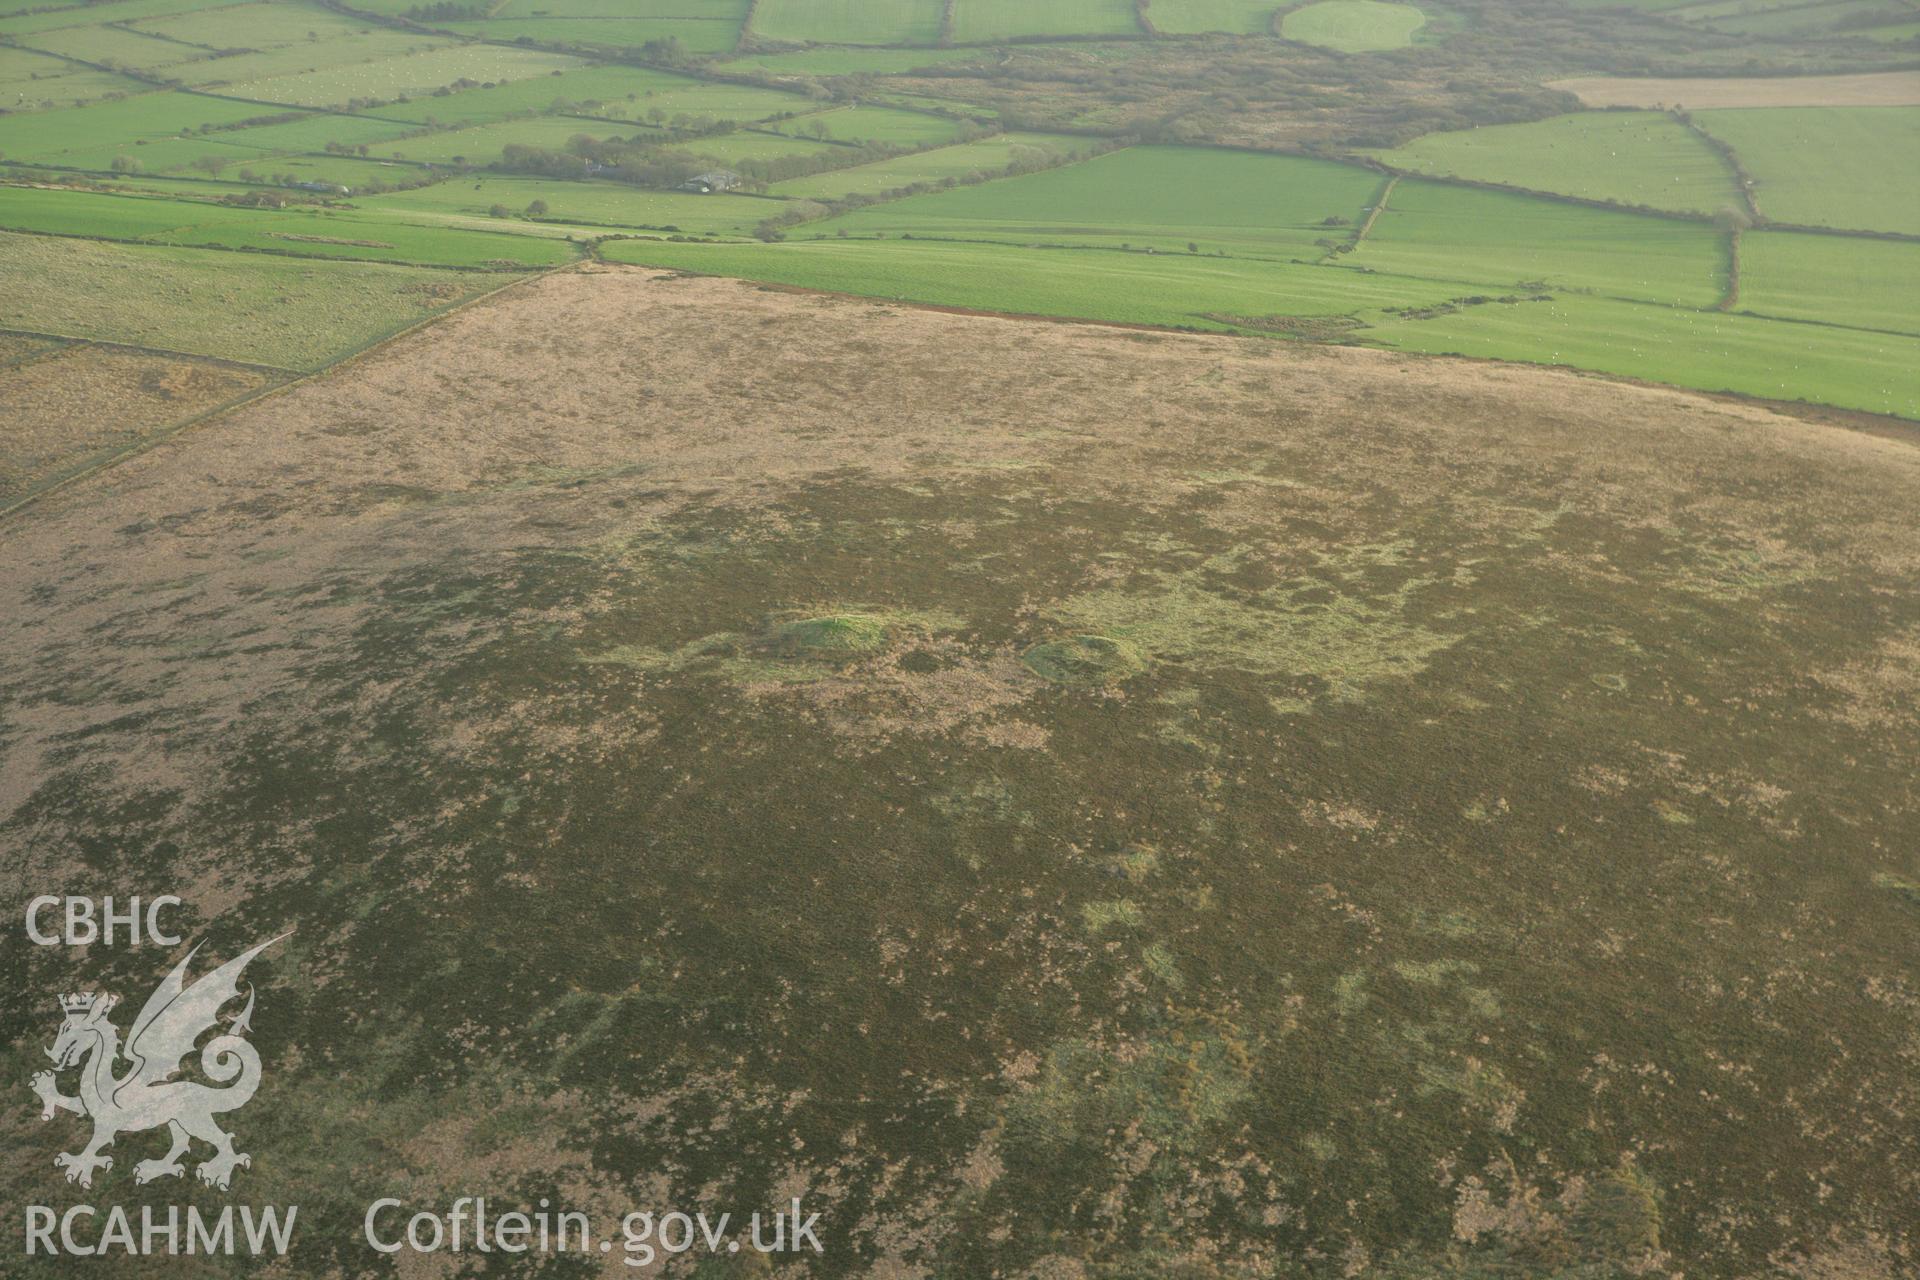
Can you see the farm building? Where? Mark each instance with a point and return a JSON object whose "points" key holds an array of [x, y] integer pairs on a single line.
{"points": [[708, 183]]}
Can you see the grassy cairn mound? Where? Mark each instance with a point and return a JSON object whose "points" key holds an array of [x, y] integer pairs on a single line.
{"points": [[1085, 660], [834, 636]]}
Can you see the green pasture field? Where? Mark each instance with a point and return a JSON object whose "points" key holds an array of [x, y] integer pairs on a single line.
{"points": [[217, 159], [985, 20], [348, 234], [746, 144], [312, 132], [403, 76], [826, 63], [483, 144], [1192, 17], [93, 14], [1802, 20], [1642, 158], [345, 171], [161, 155], [459, 201], [290, 313], [874, 124], [740, 103], [1088, 284], [21, 67], [1827, 166], [340, 53], [255, 26], [608, 92], [212, 154], [849, 21], [45, 135], [734, 11], [388, 8], [1702, 349], [148, 184], [306, 232], [696, 35], [585, 88], [1708, 11], [982, 156], [1164, 197], [1354, 26], [1900, 31], [1843, 280], [115, 45], [34, 82], [1499, 240]]}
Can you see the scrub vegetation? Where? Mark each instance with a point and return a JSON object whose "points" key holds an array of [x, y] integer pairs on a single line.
{"points": [[1117, 639], [1093, 799]]}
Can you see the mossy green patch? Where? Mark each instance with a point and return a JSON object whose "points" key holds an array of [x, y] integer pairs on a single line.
{"points": [[793, 647], [1342, 627], [1111, 913]]}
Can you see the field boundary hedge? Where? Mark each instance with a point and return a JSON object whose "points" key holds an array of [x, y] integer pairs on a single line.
{"points": [[1742, 180]]}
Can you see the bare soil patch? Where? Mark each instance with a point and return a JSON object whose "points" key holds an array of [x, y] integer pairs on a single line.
{"points": [[1867, 89]]}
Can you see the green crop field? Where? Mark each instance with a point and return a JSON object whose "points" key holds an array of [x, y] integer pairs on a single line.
{"points": [[1644, 158], [1163, 197], [1826, 166], [849, 21], [978, 20], [284, 312], [1504, 241], [1353, 26], [1841, 280], [1188, 17]]}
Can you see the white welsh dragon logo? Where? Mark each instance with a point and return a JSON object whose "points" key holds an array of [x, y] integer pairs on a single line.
{"points": [[146, 1096]]}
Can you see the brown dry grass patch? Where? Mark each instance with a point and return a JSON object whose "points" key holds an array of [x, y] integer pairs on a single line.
{"points": [[86, 402]]}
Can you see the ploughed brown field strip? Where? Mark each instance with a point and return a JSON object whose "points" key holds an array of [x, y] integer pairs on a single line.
{"points": [[1066, 801], [1700, 93]]}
